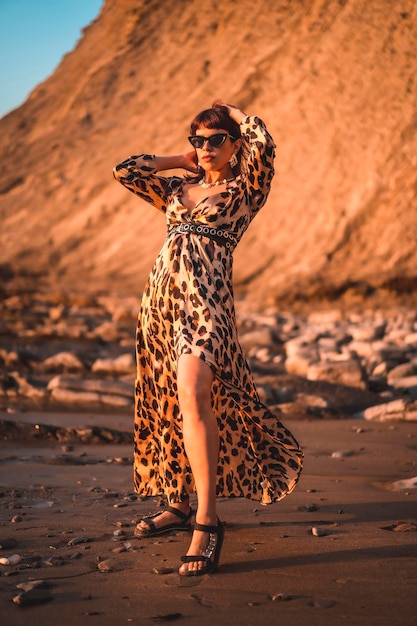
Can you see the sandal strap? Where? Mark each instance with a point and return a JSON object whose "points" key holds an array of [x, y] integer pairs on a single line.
{"points": [[148, 520], [206, 529], [194, 559], [182, 516]]}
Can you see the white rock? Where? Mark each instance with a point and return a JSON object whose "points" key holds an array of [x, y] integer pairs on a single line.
{"points": [[68, 396], [99, 385], [365, 333], [403, 383], [349, 373], [380, 369], [312, 400], [65, 360], [389, 410], [26, 388], [401, 371], [123, 364], [14, 559], [364, 349], [325, 317], [119, 401], [406, 483], [342, 454], [299, 363], [107, 331], [411, 339], [297, 344]]}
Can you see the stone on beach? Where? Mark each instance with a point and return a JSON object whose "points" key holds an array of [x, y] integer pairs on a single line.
{"points": [[342, 372], [398, 409], [69, 390], [124, 364], [33, 597], [67, 361], [13, 559], [110, 565]]}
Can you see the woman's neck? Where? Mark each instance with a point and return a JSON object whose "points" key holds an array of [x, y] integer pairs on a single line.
{"points": [[213, 177]]}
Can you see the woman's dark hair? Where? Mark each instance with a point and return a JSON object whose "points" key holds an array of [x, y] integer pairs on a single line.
{"points": [[218, 117]]}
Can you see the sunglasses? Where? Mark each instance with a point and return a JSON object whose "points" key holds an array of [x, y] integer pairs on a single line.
{"points": [[215, 141]]}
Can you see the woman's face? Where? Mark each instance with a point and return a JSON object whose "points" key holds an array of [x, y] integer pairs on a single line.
{"points": [[212, 158]]}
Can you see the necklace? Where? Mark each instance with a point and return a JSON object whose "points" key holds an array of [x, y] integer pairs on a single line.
{"points": [[205, 185]]}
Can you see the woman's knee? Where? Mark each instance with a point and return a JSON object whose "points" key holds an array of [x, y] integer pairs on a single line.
{"points": [[194, 385]]}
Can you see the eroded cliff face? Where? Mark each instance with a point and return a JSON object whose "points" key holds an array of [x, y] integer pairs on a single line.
{"points": [[335, 81]]}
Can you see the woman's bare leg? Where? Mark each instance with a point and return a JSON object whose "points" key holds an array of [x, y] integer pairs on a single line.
{"points": [[201, 441]]}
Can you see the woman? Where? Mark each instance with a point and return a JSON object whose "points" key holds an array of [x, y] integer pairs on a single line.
{"points": [[199, 424]]}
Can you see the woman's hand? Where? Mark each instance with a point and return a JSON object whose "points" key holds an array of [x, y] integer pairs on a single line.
{"points": [[236, 114], [190, 162]]}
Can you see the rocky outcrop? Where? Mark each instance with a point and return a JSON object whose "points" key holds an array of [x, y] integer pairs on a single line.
{"points": [[324, 365]]}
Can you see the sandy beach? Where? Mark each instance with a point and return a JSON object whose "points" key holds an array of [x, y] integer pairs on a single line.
{"points": [[340, 549]]}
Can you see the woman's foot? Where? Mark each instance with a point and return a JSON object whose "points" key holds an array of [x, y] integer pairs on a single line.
{"points": [[204, 551], [174, 517]]}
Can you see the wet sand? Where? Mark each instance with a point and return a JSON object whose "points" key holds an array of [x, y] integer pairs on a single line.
{"points": [[62, 504]]}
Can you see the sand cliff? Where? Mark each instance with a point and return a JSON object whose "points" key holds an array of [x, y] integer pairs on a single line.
{"points": [[333, 79]]}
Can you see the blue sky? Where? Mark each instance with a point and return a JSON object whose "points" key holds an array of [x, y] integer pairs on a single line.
{"points": [[34, 35]]}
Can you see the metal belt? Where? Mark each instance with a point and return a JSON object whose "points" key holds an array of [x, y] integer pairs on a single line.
{"points": [[222, 237]]}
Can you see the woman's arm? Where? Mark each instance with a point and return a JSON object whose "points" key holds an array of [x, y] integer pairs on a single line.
{"points": [[258, 153], [185, 161], [138, 175], [258, 160]]}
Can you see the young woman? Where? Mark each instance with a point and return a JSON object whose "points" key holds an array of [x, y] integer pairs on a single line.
{"points": [[199, 423]]}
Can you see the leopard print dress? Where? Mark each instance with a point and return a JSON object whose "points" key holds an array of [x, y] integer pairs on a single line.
{"points": [[188, 307]]}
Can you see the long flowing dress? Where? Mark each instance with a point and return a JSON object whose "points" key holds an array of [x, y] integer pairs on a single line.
{"points": [[188, 307]]}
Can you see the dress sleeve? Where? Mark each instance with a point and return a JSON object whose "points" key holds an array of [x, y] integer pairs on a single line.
{"points": [[138, 174], [258, 160]]}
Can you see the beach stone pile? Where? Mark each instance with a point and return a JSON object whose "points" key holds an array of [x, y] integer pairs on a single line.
{"points": [[76, 352]]}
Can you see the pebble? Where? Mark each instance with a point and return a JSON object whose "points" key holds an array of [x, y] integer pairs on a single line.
{"points": [[168, 617], [77, 540], [162, 570], [33, 597], [109, 565], [342, 454], [318, 532], [282, 597], [402, 527], [55, 561], [310, 508], [33, 584], [119, 549], [323, 604], [405, 483], [13, 559]]}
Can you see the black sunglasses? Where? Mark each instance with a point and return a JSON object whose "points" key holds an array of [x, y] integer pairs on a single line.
{"points": [[215, 141]]}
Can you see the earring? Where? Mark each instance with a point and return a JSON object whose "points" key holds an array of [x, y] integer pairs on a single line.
{"points": [[233, 160]]}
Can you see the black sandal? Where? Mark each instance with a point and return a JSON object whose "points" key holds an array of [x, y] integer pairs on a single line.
{"points": [[153, 531], [212, 553]]}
